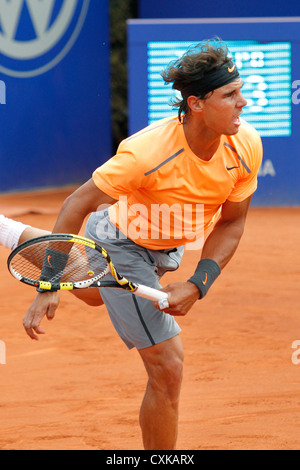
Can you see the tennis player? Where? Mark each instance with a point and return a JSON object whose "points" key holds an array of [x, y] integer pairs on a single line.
{"points": [[208, 157]]}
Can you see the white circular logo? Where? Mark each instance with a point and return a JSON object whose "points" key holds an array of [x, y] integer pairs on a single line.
{"points": [[35, 35]]}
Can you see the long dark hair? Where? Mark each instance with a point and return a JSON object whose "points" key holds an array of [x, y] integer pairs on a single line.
{"points": [[186, 71]]}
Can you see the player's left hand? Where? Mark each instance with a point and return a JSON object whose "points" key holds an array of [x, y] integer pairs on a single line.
{"points": [[45, 303], [182, 296]]}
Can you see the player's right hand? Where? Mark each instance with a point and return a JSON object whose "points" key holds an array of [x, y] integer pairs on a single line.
{"points": [[45, 304]]}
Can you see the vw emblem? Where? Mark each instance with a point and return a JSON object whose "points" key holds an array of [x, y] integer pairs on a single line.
{"points": [[35, 35]]}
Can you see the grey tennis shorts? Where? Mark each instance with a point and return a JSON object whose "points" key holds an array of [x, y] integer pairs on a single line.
{"points": [[135, 319]]}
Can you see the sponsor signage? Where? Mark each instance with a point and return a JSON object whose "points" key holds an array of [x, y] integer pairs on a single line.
{"points": [[54, 82]]}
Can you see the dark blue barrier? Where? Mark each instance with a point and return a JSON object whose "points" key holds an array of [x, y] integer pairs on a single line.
{"points": [[224, 9], [55, 122]]}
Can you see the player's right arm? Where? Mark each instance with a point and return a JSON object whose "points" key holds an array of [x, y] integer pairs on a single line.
{"points": [[86, 199]]}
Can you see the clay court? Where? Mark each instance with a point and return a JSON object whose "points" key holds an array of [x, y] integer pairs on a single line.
{"points": [[79, 387]]}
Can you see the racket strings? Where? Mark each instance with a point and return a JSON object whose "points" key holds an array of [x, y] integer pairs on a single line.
{"points": [[83, 262]]}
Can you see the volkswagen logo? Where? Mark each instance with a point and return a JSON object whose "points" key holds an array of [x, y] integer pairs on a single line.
{"points": [[35, 35]]}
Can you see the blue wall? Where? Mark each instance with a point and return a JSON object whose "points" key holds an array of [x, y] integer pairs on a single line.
{"points": [[56, 123], [220, 9]]}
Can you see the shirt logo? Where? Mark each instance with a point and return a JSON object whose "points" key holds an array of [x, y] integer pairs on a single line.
{"points": [[35, 35], [230, 70], [228, 168]]}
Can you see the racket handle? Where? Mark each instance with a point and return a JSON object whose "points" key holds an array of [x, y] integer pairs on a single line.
{"points": [[153, 294]]}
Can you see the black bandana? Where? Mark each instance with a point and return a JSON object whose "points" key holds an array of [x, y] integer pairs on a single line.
{"points": [[217, 78]]}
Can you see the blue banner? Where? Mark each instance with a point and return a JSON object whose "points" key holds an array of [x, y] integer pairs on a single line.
{"points": [[54, 92], [224, 9]]}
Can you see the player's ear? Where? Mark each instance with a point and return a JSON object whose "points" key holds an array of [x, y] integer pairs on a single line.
{"points": [[195, 104]]}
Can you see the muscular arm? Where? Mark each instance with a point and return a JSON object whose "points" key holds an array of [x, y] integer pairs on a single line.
{"points": [[220, 246], [224, 239], [76, 207]]}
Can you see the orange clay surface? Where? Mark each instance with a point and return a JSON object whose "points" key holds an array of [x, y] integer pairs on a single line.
{"points": [[79, 387]]}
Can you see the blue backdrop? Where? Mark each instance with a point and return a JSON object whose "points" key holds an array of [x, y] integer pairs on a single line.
{"points": [[54, 76], [223, 9]]}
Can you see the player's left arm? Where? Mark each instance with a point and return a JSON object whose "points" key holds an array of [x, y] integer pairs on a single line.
{"points": [[218, 249], [222, 243]]}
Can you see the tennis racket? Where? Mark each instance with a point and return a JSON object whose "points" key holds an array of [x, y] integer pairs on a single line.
{"points": [[66, 262]]}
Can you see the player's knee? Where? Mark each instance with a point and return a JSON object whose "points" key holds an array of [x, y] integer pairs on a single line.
{"points": [[172, 373], [164, 364], [167, 377], [93, 303], [90, 297]]}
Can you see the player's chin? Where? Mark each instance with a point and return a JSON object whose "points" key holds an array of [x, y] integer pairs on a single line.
{"points": [[232, 130]]}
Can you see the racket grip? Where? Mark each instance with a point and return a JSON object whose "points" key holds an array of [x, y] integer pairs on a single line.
{"points": [[153, 294]]}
